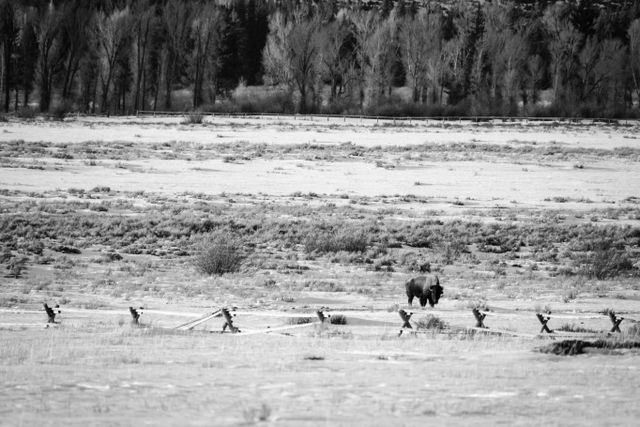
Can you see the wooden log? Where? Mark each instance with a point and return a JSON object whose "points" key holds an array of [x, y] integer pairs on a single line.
{"points": [[193, 323], [276, 330]]}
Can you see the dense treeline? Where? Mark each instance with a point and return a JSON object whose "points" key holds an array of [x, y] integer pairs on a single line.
{"points": [[573, 57]]}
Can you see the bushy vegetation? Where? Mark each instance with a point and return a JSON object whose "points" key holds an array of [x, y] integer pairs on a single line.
{"points": [[338, 319], [335, 240], [431, 323], [606, 262], [169, 227], [575, 347], [219, 253], [193, 118]]}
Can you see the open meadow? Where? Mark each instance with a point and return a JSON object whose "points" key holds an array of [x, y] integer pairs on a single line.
{"points": [[303, 214]]}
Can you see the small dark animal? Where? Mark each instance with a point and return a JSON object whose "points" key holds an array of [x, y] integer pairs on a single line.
{"points": [[426, 288]]}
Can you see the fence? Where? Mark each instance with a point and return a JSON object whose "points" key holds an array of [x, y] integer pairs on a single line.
{"points": [[321, 317], [407, 119]]}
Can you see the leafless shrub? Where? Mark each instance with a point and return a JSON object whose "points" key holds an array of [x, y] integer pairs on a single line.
{"points": [[193, 118], [606, 262], [338, 319], [221, 253], [332, 241], [432, 323]]}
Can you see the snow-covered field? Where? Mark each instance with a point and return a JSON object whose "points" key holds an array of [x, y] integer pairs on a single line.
{"points": [[512, 163], [288, 130]]}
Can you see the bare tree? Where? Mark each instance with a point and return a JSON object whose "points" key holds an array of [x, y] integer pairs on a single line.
{"points": [[563, 46], [365, 24], [50, 59], [144, 19], [533, 74], [113, 34], [420, 44], [375, 53], [206, 32], [336, 56], [28, 58], [9, 31], [291, 55], [600, 63], [176, 18], [634, 55], [74, 36]]}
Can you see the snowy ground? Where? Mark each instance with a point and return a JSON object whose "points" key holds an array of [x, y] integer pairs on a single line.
{"points": [[587, 163]]}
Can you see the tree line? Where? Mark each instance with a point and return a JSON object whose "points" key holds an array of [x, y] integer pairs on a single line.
{"points": [[510, 57]]}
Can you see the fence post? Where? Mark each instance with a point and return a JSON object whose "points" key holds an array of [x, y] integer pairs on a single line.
{"points": [[51, 313], [228, 322], [405, 320], [479, 318], [615, 321], [543, 320], [135, 315]]}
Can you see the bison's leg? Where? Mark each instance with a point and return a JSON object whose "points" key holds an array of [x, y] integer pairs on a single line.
{"points": [[410, 299], [423, 301]]}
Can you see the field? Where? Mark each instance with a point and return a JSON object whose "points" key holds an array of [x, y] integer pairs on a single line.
{"points": [[517, 218]]}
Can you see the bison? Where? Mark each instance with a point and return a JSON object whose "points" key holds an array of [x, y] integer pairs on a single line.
{"points": [[426, 288]]}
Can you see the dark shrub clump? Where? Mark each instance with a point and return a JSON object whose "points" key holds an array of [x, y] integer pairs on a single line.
{"points": [[220, 254]]}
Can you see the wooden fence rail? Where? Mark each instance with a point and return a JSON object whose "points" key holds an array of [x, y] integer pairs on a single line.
{"points": [[320, 316], [409, 119]]}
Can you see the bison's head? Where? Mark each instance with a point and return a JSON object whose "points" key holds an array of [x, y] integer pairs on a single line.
{"points": [[435, 292]]}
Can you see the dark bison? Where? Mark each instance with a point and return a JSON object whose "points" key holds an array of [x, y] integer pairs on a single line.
{"points": [[426, 288]]}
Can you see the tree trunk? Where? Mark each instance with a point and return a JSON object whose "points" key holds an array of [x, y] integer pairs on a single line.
{"points": [[7, 75], [168, 81], [302, 106], [142, 52], [143, 102], [45, 92]]}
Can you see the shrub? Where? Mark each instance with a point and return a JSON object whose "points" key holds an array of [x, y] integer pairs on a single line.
{"points": [[26, 113], [299, 320], [606, 262], [251, 99], [16, 266], [575, 347], [59, 111], [338, 319], [193, 118], [431, 322], [331, 241], [570, 327], [220, 254]]}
